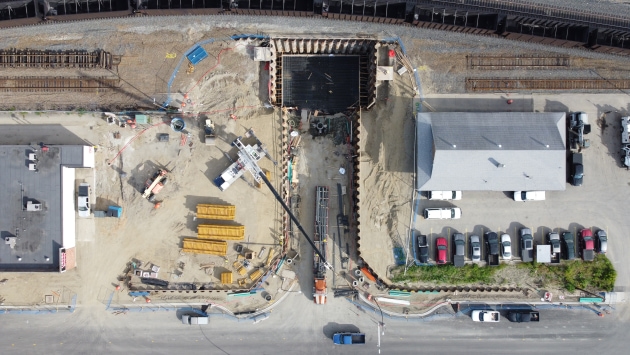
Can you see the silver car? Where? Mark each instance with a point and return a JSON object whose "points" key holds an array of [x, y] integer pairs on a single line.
{"points": [[506, 247], [602, 241], [475, 248]]}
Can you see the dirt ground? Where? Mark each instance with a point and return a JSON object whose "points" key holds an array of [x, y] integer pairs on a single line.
{"points": [[153, 236]]}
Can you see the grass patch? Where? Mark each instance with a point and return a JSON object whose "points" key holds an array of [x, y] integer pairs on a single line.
{"points": [[447, 274], [598, 274]]}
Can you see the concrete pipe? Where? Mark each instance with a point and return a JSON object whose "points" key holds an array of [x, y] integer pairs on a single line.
{"points": [[355, 283], [289, 261], [357, 272], [361, 279]]}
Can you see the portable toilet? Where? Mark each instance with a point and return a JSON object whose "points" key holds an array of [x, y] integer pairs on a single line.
{"points": [[114, 211]]}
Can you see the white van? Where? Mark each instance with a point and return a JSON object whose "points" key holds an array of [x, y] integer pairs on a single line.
{"points": [[445, 195], [529, 195], [443, 213]]}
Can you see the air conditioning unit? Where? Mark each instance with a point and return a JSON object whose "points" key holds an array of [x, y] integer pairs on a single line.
{"points": [[33, 207]]}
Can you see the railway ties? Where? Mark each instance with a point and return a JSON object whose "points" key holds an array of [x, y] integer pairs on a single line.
{"points": [[28, 58], [515, 84], [531, 62], [57, 84]]}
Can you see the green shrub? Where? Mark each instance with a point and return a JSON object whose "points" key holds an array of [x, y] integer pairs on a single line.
{"points": [[447, 274]]}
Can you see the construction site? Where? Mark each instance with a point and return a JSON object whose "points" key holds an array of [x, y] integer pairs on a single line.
{"points": [[232, 169]]}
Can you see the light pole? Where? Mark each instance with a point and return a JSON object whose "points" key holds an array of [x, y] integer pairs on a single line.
{"points": [[380, 327]]}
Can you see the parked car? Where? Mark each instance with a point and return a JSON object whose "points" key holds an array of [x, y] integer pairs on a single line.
{"points": [[443, 213], [602, 241], [554, 240], [492, 248], [506, 247], [529, 195], [527, 245], [587, 244], [445, 195], [83, 200], [440, 250], [459, 249], [422, 249], [577, 169], [475, 248], [485, 316], [568, 242]]}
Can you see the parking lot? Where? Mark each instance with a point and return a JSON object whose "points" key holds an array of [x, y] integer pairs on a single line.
{"points": [[599, 203]]}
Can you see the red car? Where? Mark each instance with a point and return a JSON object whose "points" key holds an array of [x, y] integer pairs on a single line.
{"points": [[440, 250], [587, 245]]}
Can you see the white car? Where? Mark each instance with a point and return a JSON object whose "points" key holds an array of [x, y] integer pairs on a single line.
{"points": [[529, 195], [443, 213], [445, 195], [485, 316], [83, 201], [506, 247]]}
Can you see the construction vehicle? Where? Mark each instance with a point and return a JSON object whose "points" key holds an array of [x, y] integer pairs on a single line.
{"points": [[210, 133], [579, 127], [154, 185], [320, 238], [248, 160], [625, 141]]}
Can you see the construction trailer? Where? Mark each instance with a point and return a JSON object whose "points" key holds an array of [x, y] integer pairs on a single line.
{"points": [[320, 239], [222, 212], [201, 246]]}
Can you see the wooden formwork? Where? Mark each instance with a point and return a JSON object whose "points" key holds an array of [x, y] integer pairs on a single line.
{"points": [[201, 246], [222, 212]]}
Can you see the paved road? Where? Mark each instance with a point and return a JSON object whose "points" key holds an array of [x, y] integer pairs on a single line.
{"points": [[299, 327]]}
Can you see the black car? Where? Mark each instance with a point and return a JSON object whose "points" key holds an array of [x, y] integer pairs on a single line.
{"points": [[421, 252], [569, 245], [577, 169]]}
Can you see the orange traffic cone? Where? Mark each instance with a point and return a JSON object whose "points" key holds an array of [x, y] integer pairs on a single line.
{"points": [[157, 205], [148, 300]]}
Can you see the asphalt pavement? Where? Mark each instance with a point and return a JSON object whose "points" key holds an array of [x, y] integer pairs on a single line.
{"points": [[297, 326]]}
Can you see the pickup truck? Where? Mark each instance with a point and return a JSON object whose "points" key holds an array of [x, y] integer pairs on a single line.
{"points": [[485, 316], [588, 244], [492, 248], [459, 249], [445, 195], [420, 249], [523, 316], [527, 245], [554, 240], [348, 338]]}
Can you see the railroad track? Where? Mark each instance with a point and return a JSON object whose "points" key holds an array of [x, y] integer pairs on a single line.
{"points": [[490, 62], [29, 58], [57, 84], [512, 84]]}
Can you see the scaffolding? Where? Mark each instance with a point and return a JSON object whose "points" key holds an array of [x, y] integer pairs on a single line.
{"points": [[321, 229]]}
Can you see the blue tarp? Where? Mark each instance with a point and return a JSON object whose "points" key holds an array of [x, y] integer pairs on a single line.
{"points": [[197, 55]]}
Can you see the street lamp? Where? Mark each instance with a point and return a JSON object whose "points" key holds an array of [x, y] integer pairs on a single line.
{"points": [[380, 329]]}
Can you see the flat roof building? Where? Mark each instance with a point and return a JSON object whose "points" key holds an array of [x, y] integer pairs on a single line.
{"points": [[498, 151], [37, 200]]}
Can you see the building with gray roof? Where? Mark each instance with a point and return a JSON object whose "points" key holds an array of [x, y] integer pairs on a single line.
{"points": [[498, 151], [37, 200]]}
